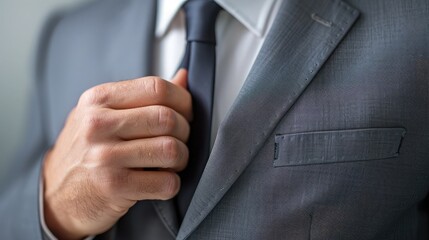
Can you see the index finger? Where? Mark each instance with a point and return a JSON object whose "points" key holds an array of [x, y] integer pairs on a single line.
{"points": [[141, 92]]}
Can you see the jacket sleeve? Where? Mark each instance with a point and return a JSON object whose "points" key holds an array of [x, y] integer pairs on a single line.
{"points": [[19, 187]]}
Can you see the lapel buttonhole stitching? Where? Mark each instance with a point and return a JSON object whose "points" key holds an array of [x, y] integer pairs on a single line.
{"points": [[320, 20]]}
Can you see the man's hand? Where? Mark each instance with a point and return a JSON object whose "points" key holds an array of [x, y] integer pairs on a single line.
{"points": [[122, 143]]}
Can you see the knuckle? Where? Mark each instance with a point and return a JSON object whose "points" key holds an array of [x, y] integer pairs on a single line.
{"points": [[112, 182], [101, 154], [170, 149], [94, 96], [94, 121], [170, 187], [156, 86], [166, 119]]}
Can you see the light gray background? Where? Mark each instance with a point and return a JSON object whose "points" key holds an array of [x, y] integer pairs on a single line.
{"points": [[20, 24]]}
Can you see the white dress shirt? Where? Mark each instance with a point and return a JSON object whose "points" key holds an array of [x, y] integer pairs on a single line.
{"points": [[240, 32]]}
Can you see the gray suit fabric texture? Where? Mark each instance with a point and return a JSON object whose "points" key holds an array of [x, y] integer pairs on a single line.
{"points": [[328, 138]]}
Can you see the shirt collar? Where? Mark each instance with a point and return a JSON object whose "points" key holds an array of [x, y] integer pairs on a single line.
{"points": [[254, 15]]}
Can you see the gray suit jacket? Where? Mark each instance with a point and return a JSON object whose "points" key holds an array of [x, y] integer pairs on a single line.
{"points": [[328, 138]]}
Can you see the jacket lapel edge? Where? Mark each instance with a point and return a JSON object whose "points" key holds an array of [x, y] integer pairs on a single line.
{"points": [[300, 31]]}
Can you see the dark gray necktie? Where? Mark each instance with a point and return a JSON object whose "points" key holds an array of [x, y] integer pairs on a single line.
{"points": [[200, 61]]}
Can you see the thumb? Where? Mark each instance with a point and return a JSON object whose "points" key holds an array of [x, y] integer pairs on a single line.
{"points": [[181, 78]]}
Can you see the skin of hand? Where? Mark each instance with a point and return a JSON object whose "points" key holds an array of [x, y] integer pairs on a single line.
{"points": [[123, 142]]}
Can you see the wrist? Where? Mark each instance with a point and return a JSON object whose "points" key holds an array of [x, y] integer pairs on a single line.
{"points": [[56, 218], [59, 225]]}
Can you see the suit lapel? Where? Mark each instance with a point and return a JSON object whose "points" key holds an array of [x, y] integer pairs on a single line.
{"points": [[301, 39]]}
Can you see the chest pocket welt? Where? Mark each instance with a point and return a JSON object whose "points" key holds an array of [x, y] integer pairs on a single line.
{"points": [[337, 146]]}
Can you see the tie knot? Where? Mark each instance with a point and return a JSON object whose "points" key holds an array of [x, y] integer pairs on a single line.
{"points": [[200, 20]]}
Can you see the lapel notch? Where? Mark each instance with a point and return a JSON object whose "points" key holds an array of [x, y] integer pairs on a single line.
{"points": [[302, 38]]}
